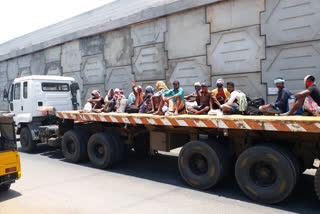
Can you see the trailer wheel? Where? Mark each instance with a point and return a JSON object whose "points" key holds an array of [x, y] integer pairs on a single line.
{"points": [[27, 144], [266, 174], [317, 183], [4, 187], [141, 145], [119, 148], [101, 150], [202, 164], [74, 145]]}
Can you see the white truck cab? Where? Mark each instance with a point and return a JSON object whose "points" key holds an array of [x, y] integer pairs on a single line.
{"points": [[30, 96]]}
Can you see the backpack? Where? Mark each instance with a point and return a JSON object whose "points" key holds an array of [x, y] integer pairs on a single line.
{"points": [[253, 106]]}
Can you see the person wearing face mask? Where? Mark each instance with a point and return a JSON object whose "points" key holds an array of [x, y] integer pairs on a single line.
{"points": [[220, 94], [205, 100], [193, 97], [312, 91]]}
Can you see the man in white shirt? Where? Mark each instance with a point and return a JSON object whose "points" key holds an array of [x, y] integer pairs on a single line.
{"points": [[237, 101]]}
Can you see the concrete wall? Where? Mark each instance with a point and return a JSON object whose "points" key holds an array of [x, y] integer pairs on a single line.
{"points": [[249, 42]]}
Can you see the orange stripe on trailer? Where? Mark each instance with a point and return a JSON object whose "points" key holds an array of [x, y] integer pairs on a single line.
{"points": [[310, 127], [69, 116], [131, 120], [230, 124], [190, 123], [97, 117], [253, 124], [87, 117], [159, 122], [145, 121], [209, 124], [60, 115], [173, 122], [280, 126], [119, 119]]}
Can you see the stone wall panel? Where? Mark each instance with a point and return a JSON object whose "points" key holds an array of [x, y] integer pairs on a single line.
{"points": [[149, 62], [292, 62], [188, 71], [53, 54], [291, 21], [188, 33], [149, 32], [23, 72], [71, 57], [249, 83], [118, 48], [236, 51], [119, 77], [93, 69], [13, 70], [3, 75], [92, 45], [24, 61], [38, 63], [232, 14], [53, 68], [4, 106]]}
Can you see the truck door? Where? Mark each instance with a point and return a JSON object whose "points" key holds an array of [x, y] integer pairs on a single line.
{"points": [[17, 106], [26, 106]]}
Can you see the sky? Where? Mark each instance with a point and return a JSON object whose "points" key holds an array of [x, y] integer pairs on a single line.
{"points": [[19, 17]]}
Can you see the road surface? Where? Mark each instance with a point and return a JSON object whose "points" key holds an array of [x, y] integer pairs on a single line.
{"points": [[51, 185]]}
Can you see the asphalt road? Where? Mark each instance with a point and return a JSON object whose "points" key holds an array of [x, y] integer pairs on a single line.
{"points": [[51, 185]]}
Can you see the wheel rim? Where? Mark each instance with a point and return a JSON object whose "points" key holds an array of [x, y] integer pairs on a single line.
{"points": [[263, 174], [99, 151], [198, 164], [71, 147]]}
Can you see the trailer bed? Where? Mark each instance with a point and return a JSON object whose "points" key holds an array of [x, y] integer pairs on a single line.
{"points": [[244, 122]]}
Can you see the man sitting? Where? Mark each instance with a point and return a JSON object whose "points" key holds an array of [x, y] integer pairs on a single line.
{"points": [[176, 95], [281, 104], [221, 94], [205, 100], [96, 101], [237, 102], [312, 91]]}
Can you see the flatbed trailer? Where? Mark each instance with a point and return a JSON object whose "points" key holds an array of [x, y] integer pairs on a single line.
{"points": [[267, 153]]}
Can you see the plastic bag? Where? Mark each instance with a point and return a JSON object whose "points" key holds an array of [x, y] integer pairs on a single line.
{"points": [[87, 108]]}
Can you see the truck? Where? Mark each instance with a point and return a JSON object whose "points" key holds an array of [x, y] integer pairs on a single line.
{"points": [[10, 169], [34, 100], [267, 154]]}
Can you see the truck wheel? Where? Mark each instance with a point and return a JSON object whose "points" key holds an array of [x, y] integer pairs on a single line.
{"points": [[202, 164], [4, 187], [317, 183], [266, 174], [119, 148], [74, 145], [141, 145], [101, 150], [27, 144]]}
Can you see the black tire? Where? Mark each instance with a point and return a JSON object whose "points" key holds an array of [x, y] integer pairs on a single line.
{"points": [[141, 145], [317, 183], [203, 164], [27, 144], [4, 187], [74, 145], [101, 150], [266, 173], [119, 148]]}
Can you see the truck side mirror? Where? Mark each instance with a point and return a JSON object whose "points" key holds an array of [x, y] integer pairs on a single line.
{"points": [[5, 94], [74, 87]]}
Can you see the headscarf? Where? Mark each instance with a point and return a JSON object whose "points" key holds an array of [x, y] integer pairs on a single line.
{"points": [[96, 94], [305, 81], [110, 95], [139, 97], [161, 85]]}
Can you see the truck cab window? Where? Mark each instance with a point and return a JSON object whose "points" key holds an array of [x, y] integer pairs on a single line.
{"points": [[17, 91], [25, 90], [49, 86]]}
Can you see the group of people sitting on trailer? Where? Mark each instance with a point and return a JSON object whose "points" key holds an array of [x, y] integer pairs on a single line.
{"points": [[165, 101]]}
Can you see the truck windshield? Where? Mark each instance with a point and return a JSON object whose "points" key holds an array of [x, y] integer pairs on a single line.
{"points": [[50, 86]]}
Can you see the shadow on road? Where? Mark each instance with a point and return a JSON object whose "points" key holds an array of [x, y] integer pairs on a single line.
{"points": [[164, 168], [8, 195]]}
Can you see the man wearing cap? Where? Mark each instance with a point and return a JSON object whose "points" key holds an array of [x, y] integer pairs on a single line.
{"points": [[280, 105], [220, 94], [205, 100], [193, 97], [313, 92], [176, 95]]}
